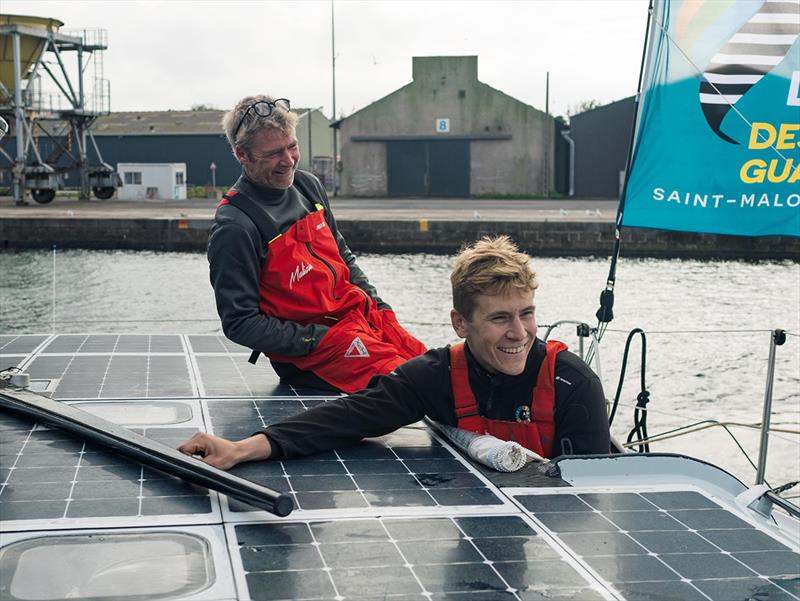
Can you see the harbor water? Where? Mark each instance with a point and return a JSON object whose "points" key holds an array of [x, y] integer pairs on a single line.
{"points": [[707, 325]]}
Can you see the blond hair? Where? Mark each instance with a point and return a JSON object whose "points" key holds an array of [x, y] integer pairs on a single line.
{"points": [[489, 266], [279, 118]]}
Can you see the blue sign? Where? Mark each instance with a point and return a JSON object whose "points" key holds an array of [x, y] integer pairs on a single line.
{"points": [[717, 147]]}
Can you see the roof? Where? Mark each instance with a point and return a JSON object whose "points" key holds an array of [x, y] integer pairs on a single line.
{"points": [[164, 122]]}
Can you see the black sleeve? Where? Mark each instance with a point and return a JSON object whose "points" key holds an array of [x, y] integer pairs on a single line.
{"points": [[235, 258], [357, 276], [581, 418], [418, 388]]}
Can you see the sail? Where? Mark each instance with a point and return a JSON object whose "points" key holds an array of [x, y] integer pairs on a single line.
{"points": [[717, 146]]}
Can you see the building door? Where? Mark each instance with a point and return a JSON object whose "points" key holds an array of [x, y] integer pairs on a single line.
{"points": [[448, 168], [407, 165], [428, 168]]}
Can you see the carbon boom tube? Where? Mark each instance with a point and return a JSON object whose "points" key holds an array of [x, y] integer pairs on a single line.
{"points": [[142, 449]]}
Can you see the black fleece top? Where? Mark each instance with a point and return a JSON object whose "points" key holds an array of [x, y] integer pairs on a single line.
{"points": [[236, 252], [421, 387]]}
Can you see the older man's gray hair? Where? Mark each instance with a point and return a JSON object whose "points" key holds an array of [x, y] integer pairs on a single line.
{"points": [[251, 121]]}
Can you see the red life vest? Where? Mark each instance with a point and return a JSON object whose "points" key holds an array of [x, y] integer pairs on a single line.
{"points": [[304, 279], [536, 434]]}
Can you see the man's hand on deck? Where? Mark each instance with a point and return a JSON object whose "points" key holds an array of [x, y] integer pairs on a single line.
{"points": [[224, 454]]}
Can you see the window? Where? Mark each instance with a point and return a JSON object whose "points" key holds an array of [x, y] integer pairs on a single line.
{"points": [[133, 178], [180, 178]]}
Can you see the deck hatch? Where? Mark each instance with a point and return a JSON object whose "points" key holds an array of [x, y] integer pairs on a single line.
{"points": [[106, 566], [141, 413]]}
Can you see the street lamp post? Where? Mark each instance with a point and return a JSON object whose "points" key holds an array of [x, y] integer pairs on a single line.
{"points": [[213, 168]]}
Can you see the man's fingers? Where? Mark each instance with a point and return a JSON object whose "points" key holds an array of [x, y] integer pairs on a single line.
{"points": [[196, 445]]}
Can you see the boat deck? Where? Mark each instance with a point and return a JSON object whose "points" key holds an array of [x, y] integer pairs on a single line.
{"points": [[404, 516]]}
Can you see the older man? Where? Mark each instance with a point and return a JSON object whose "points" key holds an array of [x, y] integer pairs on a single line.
{"points": [[502, 380], [285, 281]]}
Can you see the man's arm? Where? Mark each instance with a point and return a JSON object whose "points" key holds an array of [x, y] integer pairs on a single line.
{"points": [[415, 389], [235, 258], [581, 418]]}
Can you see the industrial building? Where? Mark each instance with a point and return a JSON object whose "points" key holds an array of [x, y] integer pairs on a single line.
{"points": [[447, 134], [602, 137], [196, 138]]}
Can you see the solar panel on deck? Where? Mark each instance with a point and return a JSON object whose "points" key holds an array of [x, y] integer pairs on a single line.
{"points": [[115, 376], [667, 545], [12, 345], [495, 557], [399, 517], [51, 475], [215, 344], [233, 376], [115, 343]]}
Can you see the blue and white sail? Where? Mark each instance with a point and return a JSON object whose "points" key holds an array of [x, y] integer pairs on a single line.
{"points": [[717, 147]]}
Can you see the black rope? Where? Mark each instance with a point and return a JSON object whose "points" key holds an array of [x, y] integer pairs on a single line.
{"points": [[640, 421], [640, 412], [784, 487]]}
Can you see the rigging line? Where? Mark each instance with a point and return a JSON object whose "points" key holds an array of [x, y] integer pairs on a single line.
{"points": [[705, 424], [753, 426], [714, 331], [716, 89], [198, 319], [54, 289], [132, 320], [606, 311], [714, 422]]}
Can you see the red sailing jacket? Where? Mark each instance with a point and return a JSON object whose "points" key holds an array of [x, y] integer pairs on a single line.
{"points": [[535, 434], [304, 279]]}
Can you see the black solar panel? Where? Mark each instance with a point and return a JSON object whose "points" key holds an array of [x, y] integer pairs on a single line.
{"points": [[52, 475], [20, 345], [497, 557], [400, 517], [668, 544]]}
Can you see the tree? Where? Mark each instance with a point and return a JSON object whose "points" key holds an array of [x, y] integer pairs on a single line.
{"points": [[582, 107]]}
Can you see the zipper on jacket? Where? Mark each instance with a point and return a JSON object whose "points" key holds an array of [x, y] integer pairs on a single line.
{"points": [[366, 307], [328, 265]]}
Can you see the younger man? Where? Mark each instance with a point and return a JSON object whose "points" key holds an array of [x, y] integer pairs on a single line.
{"points": [[502, 380]]}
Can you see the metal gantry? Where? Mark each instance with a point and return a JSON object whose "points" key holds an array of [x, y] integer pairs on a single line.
{"points": [[50, 137]]}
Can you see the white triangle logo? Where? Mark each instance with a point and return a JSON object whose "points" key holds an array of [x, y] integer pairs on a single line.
{"points": [[357, 349]]}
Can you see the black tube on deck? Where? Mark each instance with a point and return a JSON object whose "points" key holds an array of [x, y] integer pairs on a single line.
{"points": [[142, 449]]}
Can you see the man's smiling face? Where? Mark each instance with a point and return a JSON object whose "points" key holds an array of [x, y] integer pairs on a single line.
{"points": [[501, 330], [272, 158]]}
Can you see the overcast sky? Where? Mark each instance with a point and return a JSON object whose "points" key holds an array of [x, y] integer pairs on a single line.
{"points": [[178, 53]]}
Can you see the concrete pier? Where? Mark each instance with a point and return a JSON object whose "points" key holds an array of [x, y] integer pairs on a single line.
{"points": [[542, 227]]}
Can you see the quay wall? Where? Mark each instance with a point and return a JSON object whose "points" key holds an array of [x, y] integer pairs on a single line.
{"points": [[540, 238]]}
